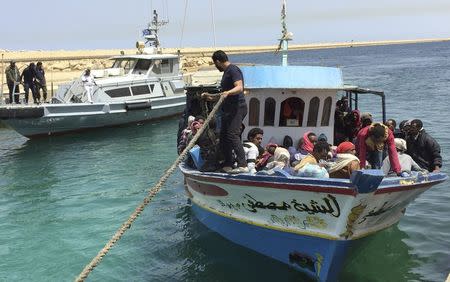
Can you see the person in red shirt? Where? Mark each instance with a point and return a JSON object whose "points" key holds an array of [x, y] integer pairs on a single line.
{"points": [[372, 140]]}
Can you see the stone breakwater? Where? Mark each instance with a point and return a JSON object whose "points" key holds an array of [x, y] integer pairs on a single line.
{"points": [[62, 66]]}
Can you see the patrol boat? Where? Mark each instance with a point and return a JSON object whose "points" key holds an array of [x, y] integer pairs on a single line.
{"points": [[307, 223], [137, 88]]}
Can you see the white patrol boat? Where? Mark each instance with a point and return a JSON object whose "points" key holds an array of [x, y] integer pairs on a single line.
{"points": [[137, 88]]}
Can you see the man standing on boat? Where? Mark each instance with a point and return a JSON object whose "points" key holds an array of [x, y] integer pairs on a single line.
{"points": [[234, 109], [88, 83], [13, 81], [40, 81], [422, 147]]}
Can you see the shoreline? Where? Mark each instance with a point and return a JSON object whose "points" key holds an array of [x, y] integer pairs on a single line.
{"points": [[55, 55]]}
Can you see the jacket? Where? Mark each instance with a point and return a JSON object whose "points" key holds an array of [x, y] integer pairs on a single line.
{"points": [[424, 150], [362, 147]]}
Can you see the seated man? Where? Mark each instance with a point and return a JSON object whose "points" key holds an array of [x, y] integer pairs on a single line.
{"points": [[406, 162], [254, 139], [320, 152], [309, 166], [372, 141], [422, 147]]}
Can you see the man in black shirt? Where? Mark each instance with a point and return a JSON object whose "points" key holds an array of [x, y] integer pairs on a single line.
{"points": [[234, 110], [29, 76]]}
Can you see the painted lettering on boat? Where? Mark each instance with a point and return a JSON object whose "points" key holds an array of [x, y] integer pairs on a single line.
{"points": [[292, 220], [377, 212], [329, 205]]}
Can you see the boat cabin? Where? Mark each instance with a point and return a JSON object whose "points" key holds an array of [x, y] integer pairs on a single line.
{"points": [[293, 100]]}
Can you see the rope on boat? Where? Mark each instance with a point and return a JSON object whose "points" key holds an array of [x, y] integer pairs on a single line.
{"points": [[151, 194]]}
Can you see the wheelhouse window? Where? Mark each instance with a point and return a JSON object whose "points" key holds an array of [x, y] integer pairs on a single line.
{"points": [[326, 112], [163, 66], [313, 111], [119, 92], [126, 64], [142, 66], [140, 90], [291, 112], [253, 117], [269, 112]]}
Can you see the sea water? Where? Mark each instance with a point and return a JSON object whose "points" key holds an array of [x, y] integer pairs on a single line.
{"points": [[62, 198]]}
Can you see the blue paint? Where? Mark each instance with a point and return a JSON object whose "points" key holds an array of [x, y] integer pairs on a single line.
{"points": [[367, 181], [292, 77], [298, 251]]}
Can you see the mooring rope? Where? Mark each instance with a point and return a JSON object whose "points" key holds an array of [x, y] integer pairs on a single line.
{"points": [[151, 194]]}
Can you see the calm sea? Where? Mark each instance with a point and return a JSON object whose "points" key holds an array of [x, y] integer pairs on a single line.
{"points": [[62, 198]]}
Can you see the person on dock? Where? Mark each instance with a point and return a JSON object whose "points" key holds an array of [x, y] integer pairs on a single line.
{"points": [[422, 147], [233, 111], [29, 76], [88, 84], [41, 83], [13, 81], [372, 140]]}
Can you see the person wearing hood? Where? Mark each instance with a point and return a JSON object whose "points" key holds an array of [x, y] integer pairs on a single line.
{"points": [[406, 162], [346, 161]]}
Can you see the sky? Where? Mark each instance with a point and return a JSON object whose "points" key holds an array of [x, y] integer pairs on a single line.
{"points": [[114, 24]]}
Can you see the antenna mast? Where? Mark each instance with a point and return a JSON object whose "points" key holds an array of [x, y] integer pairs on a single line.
{"points": [[151, 33], [286, 36]]}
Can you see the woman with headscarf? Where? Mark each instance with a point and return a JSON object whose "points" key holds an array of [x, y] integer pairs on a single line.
{"points": [[346, 161]]}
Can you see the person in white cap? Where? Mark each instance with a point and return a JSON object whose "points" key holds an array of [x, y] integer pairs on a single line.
{"points": [[406, 162]]}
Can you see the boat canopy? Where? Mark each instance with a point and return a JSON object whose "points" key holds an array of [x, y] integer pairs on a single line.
{"points": [[292, 77]]}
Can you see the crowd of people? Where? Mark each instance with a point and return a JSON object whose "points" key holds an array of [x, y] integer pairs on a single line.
{"points": [[32, 78], [360, 143]]}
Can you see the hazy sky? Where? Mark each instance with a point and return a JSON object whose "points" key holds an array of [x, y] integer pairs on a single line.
{"points": [[107, 24]]}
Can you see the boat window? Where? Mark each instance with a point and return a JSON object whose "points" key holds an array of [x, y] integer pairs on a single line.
{"points": [[269, 112], [125, 64], [253, 117], [119, 92], [291, 112], [140, 90], [313, 111], [163, 66], [142, 66], [326, 112]]}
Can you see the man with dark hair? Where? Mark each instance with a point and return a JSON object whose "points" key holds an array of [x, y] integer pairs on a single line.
{"points": [[254, 139], [234, 109], [29, 76], [422, 147], [13, 80], [320, 152], [371, 141], [41, 83]]}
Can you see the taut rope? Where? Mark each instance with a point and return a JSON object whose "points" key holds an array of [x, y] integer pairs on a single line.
{"points": [[151, 194]]}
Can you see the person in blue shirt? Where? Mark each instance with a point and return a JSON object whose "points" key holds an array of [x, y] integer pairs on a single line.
{"points": [[233, 112]]}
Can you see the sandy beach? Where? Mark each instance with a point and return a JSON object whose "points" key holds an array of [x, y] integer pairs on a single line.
{"points": [[62, 65]]}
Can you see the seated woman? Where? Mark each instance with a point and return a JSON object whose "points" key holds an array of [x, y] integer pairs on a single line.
{"points": [[280, 158], [346, 161]]}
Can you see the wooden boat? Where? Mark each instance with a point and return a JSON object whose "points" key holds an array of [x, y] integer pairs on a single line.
{"points": [[306, 223]]}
